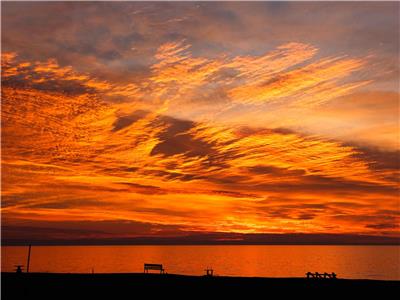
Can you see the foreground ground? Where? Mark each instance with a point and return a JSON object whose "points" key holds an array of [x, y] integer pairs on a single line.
{"points": [[131, 286]]}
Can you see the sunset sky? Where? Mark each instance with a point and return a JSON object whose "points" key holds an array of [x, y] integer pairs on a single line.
{"points": [[127, 119]]}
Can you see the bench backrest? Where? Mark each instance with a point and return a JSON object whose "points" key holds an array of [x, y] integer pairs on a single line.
{"points": [[153, 266]]}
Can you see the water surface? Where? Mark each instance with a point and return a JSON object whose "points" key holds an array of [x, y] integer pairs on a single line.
{"points": [[367, 262]]}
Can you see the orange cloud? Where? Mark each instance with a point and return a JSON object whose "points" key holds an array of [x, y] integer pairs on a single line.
{"points": [[82, 155]]}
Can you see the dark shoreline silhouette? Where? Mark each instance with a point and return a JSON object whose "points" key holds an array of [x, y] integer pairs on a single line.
{"points": [[135, 285]]}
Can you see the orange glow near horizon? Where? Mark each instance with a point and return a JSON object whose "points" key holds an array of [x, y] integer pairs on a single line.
{"points": [[234, 143]]}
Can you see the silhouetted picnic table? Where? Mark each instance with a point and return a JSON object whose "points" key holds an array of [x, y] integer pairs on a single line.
{"points": [[321, 275]]}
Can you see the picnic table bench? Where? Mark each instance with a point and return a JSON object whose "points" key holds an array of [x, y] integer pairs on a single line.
{"points": [[321, 275]]}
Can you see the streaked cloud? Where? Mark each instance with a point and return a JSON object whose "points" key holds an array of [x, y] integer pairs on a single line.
{"points": [[175, 136]]}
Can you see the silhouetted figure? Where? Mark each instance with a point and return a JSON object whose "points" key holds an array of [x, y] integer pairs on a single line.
{"points": [[333, 275]]}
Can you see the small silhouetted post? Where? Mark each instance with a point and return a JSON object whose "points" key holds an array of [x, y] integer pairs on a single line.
{"points": [[209, 272], [29, 259]]}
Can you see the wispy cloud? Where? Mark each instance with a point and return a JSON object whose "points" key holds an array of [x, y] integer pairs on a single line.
{"points": [[198, 141]]}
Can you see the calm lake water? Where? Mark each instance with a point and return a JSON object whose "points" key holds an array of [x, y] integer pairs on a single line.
{"points": [[368, 262]]}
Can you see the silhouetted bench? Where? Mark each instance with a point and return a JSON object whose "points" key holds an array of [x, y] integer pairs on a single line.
{"points": [[157, 267], [321, 275]]}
